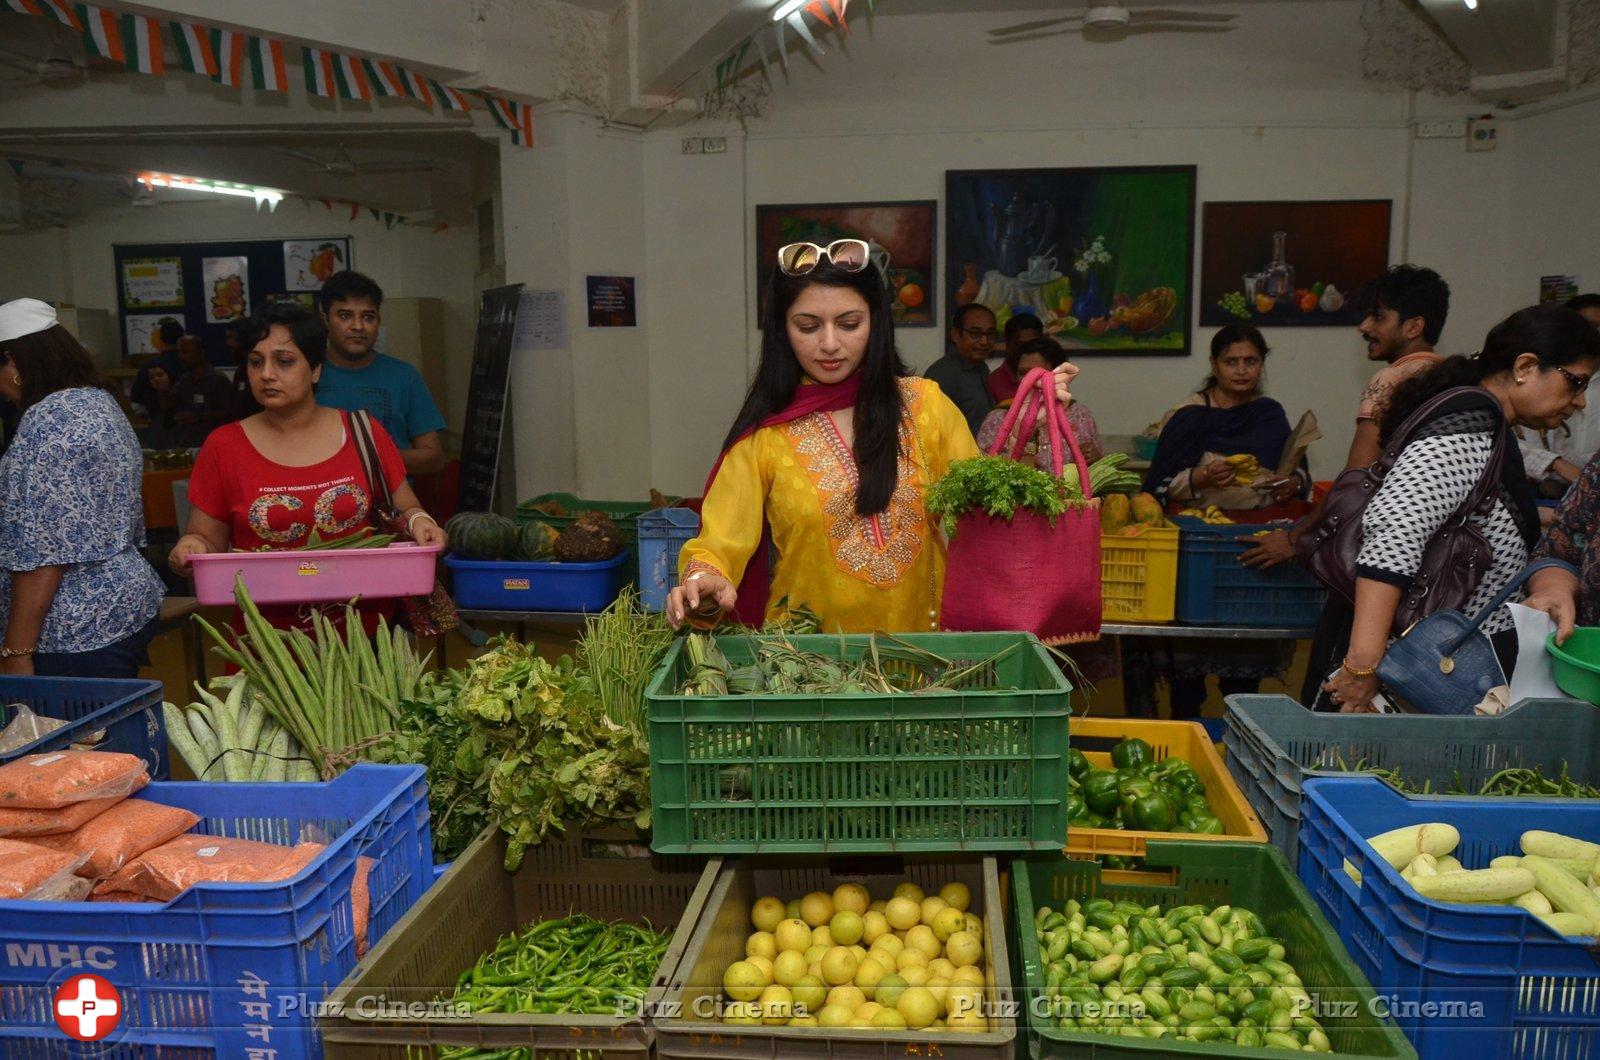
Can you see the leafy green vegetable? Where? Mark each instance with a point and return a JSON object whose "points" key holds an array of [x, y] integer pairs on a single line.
{"points": [[518, 740], [1000, 487]]}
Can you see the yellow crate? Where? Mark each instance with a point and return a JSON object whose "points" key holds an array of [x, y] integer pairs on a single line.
{"points": [[1186, 739], [1139, 574]]}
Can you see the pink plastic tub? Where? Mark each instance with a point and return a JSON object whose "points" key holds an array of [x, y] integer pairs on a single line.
{"points": [[317, 576]]}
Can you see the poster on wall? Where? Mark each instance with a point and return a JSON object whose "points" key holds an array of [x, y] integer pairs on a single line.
{"points": [[1101, 256], [307, 263], [613, 301], [902, 237], [1290, 264], [227, 287], [150, 283], [141, 329], [1557, 288]]}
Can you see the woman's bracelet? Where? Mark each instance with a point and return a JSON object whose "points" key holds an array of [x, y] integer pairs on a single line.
{"points": [[16, 653], [1357, 671], [419, 514]]}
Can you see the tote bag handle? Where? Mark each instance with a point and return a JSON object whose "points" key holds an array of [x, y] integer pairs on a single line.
{"points": [[1035, 396]]}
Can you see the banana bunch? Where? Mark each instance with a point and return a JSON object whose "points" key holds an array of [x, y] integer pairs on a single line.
{"points": [[1211, 515], [1246, 468]]}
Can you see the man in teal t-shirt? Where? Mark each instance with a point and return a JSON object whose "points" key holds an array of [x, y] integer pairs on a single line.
{"points": [[355, 377]]}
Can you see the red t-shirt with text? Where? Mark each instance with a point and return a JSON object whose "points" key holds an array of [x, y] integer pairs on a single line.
{"points": [[269, 504]]}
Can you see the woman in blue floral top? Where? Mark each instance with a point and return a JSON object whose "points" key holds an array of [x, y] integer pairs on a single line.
{"points": [[76, 597]]}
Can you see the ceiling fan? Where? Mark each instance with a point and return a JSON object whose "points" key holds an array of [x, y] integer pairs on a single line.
{"points": [[49, 69], [340, 164], [1111, 22]]}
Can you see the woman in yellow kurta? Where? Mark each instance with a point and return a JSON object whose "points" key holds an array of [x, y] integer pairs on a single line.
{"points": [[828, 461]]}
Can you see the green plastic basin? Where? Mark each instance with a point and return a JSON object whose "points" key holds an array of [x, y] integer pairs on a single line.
{"points": [[1577, 663]]}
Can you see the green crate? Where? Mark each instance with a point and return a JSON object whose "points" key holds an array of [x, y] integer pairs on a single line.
{"points": [[624, 513], [972, 770], [1249, 874]]}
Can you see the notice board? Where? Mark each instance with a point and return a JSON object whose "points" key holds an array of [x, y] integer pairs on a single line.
{"points": [[161, 281], [486, 397]]}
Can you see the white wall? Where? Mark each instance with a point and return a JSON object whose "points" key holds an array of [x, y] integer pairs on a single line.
{"points": [[1275, 109], [75, 263], [1552, 196]]}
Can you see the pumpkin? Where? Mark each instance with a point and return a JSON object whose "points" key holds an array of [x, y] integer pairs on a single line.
{"points": [[482, 535], [536, 542]]}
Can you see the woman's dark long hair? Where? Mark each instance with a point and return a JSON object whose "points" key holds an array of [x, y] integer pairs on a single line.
{"points": [[877, 415], [48, 361], [1558, 336]]}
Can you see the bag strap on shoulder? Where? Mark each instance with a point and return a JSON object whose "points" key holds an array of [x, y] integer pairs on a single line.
{"points": [[367, 450]]}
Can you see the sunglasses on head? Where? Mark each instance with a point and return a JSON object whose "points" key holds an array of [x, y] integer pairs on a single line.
{"points": [[798, 259]]}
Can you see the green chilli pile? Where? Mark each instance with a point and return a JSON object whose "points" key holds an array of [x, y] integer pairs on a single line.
{"points": [[573, 965]]}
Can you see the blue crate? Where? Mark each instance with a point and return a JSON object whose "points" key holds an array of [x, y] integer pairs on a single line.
{"points": [[662, 535], [1214, 589], [483, 585], [187, 970], [128, 711], [1537, 994]]}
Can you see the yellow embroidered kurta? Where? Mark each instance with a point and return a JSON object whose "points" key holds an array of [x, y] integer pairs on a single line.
{"points": [[858, 574]]}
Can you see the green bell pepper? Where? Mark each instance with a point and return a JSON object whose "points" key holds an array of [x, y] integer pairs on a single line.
{"points": [[1152, 813], [1131, 753], [1100, 791], [1076, 807], [1207, 825], [1077, 764]]}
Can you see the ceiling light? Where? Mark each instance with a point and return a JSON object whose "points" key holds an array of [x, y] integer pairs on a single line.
{"points": [[1472, 5], [789, 7], [270, 196]]}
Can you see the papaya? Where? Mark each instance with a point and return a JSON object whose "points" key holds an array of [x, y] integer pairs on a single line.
{"points": [[1115, 512], [1146, 510]]}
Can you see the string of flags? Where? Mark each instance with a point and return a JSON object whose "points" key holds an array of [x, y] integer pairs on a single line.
{"points": [[829, 13], [238, 59]]}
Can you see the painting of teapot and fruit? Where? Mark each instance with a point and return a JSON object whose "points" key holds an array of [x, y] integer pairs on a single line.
{"points": [[1101, 255]]}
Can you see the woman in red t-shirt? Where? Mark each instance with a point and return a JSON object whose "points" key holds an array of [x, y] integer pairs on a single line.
{"points": [[271, 478]]}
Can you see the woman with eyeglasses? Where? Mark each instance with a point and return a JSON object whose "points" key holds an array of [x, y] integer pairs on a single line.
{"points": [[1533, 371], [825, 467]]}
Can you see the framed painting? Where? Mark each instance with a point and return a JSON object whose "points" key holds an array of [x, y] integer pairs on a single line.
{"points": [[902, 236], [1103, 256], [1290, 264]]}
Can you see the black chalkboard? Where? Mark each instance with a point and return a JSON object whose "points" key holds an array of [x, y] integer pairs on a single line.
{"points": [[486, 397]]}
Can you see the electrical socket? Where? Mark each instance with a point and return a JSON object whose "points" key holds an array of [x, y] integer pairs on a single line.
{"points": [[1482, 134], [716, 145], [1441, 130], [694, 145]]}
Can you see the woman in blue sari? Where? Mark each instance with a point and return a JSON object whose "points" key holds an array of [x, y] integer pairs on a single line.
{"points": [[1227, 416]]}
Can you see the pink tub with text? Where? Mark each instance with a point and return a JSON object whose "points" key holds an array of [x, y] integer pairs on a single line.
{"points": [[318, 575]]}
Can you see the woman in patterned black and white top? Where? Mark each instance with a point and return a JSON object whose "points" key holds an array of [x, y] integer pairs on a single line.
{"points": [[1533, 371]]}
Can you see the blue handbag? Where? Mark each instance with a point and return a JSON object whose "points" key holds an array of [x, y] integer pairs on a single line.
{"points": [[1444, 664]]}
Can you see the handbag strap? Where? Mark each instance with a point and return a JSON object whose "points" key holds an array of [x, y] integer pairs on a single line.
{"points": [[367, 450], [1505, 594], [1036, 395]]}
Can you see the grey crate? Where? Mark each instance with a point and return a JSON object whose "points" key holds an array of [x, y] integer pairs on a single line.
{"points": [[1274, 744], [719, 939]]}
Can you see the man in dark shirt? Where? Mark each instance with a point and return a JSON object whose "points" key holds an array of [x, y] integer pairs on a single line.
{"points": [[963, 373], [201, 398]]}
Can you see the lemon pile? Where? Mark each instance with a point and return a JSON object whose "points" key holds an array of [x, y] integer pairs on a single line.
{"points": [[911, 962]]}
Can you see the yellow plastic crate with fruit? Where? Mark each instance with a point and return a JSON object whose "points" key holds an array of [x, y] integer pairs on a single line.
{"points": [[1138, 560], [768, 972]]}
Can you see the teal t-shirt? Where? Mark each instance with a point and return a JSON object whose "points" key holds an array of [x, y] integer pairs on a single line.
{"points": [[388, 389]]}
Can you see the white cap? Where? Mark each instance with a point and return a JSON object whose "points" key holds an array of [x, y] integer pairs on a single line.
{"points": [[25, 316]]}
